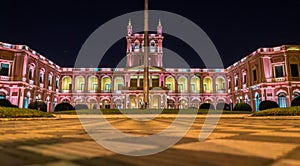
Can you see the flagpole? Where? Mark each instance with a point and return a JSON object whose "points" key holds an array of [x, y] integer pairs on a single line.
{"points": [[146, 49]]}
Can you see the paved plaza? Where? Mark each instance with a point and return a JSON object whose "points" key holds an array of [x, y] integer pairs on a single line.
{"points": [[235, 141]]}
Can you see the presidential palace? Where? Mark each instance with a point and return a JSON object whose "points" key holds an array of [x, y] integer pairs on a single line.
{"points": [[266, 74]]}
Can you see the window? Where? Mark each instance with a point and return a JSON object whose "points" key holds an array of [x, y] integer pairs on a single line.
{"points": [[180, 87], [282, 102], [236, 81], [41, 77], [56, 84], [30, 74], [137, 47], [49, 80], [229, 84], [294, 70], [4, 69], [244, 79], [152, 46], [204, 87], [193, 88], [107, 87], [254, 75], [279, 71], [168, 86]]}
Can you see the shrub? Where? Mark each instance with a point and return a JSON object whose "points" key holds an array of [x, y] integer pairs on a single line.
{"points": [[38, 105], [5, 103], [6, 112], [267, 104], [289, 111], [14, 106], [223, 106], [242, 107], [207, 106], [296, 102], [63, 107], [81, 107]]}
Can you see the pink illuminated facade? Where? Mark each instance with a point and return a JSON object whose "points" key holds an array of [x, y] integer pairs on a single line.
{"points": [[266, 74]]}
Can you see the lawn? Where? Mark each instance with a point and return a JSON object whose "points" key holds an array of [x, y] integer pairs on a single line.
{"points": [[8, 112], [289, 111], [150, 111]]}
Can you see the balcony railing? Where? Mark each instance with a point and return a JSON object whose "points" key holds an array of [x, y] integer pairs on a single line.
{"points": [[4, 78]]}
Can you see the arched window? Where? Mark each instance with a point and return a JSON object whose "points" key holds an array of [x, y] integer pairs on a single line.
{"points": [[282, 100], [220, 84], [67, 83], [118, 83], [136, 47], [296, 95], [182, 84], [50, 79], [79, 83], [152, 46], [42, 71], [195, 84], [93, 83], [170, 83], [105, 84], [207, 85]]}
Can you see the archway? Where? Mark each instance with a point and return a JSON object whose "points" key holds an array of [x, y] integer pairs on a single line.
{"points": [[282, 101], [156, 102]]}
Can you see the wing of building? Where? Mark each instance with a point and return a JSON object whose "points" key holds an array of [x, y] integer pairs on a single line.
{"points": [[266, 74]]}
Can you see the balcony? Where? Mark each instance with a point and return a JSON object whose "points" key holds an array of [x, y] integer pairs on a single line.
{"points": [[31, 82], [295, 79], [221, 91], [66, 91], [279, 79], [4, 78]]}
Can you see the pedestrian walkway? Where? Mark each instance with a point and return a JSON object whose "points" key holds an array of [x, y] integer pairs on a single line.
{"points": [[235, 141]]}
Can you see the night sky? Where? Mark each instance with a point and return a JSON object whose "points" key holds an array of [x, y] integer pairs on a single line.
{"points": [[58, 29]]}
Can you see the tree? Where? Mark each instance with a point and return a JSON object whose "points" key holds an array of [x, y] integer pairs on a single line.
{"points": [[38, 105], [242, 107], [64, 107], [296, 102], [267, 104], [5, 103], [81, 107], [222, 106], [207, 106]]}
